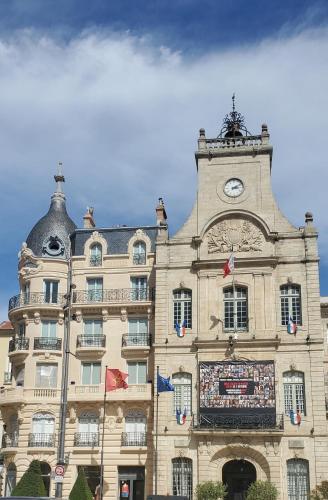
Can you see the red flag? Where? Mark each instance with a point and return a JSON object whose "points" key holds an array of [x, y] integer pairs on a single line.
{"points": [[229, 266], [115, 379]]}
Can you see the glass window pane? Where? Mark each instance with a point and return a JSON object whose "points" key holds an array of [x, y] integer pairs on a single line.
{"points": [[142, 373], [96, 373], [86, 373], [132, 371]]}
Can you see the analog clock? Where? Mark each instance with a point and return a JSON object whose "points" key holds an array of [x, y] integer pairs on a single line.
{"points": [[234, 188]]}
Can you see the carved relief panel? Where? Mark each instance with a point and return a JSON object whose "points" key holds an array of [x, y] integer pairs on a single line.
{"points": [[238, 235]]}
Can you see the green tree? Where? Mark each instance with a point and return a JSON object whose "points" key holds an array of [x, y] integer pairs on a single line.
{"points": [[30, 484], [81, 490], [321, 492], [210, 490], [262, 490]]}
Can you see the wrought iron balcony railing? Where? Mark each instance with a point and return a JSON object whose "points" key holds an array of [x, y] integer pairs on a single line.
{"points": [[86, 439], [139, 259], [136, 339], [250, 422], [95, 260], [41, 440], [134, 439], [19, 344], [47, 343], [114, 295], [7, 378], [91, 341], [36, 298], [10, 440]]}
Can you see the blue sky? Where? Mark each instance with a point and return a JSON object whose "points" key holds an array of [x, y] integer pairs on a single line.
{"points": [[100, 84]]}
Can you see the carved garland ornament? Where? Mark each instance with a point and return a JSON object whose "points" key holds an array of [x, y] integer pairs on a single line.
{"points": [[237, 235]]}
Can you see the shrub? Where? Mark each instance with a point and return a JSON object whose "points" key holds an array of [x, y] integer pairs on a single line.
{"points": [[262, 490], [81, 490], [321, 492], [31, 484], [210, 490]]}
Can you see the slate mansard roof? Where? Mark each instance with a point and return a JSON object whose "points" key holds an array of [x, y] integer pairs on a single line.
{"points": [[117, 238]]}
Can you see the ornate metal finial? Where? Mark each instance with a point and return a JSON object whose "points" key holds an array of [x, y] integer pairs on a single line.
{"points": [[233, 123], [59, 178]]}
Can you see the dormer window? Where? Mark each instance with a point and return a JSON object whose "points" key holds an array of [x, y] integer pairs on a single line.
{"points": [[96, 255], [53, 247], [139, 253]]}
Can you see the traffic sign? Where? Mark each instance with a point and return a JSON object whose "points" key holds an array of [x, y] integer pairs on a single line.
{"points": [[59, 479], [59, 470]]}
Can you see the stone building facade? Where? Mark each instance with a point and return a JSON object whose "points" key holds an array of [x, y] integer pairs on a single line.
{"points": [[142, 301], [236, 327]]}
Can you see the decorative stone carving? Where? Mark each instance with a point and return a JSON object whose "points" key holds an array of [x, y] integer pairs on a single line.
{"points": [[28, 263], [123, 314], [37, 318], [234, 234], [60, 318], [105, 315]]}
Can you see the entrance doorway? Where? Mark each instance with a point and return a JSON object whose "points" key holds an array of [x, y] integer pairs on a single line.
{"points": [[238, 475], [131, 483]]}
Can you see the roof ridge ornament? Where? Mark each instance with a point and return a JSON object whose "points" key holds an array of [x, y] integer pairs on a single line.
{"points": [[59, 179], [233, 123]]}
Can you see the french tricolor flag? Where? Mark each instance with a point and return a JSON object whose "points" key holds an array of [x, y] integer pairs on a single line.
{"points": [[291, 326], [180, 328], [295, 417], [181, 417], [229, 266]]}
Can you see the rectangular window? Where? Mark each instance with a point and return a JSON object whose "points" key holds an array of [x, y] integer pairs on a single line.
{"points": [[21, 329], [48, 329], [235, 308], [46, 375], [91, 373], [95, 289], [137, 371], [50, 289], [182, 311], [139, 288], [93, 327]]}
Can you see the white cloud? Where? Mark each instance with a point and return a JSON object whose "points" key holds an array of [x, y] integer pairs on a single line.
{"points": [[124, 115]]}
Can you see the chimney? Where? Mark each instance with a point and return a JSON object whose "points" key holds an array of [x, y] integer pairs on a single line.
{"points": [[88, 220], [160, 213]]}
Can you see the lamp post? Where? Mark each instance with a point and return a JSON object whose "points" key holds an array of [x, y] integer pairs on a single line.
{"points": [[64, 381]]}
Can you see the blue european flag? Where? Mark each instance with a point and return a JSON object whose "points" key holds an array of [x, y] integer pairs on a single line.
{"points": [[164, 384]]}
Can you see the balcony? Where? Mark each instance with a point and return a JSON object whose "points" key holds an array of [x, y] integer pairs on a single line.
{"points": [[18, 347], [255, 423], [26, 300], [90, 346], [134, 439], [118, 296], [20, 395], [136, 340], [7, 378], [86, 439], [95, 393], [36, 440], [47, 344], [9, 441]]}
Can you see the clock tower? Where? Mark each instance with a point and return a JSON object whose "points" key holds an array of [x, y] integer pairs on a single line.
{"points": [[248, 369]]}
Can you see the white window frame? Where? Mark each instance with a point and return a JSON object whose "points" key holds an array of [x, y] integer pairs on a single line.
{"points": [[92, 365], [182, 307], [235, 305], [48, 382], [290, 304], [52, 293], [182, 477], [96, 255], [294, 392], [138, 375], [298, 479], [139, 252], [182, 400]]}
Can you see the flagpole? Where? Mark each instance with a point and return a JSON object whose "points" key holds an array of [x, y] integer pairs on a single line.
{"points": [[102, 443], [156, 431], [233, 293]]}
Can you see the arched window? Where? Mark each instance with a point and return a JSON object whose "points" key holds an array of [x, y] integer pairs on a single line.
{"points": [[10, 479], [95, 255], [294, 393], [45, 474], [139, 253], [182, 393], [298, 479], [135, 429], [290, 299], [182, 477], [235, 308], [182, 308], [43, 426], [88, 430]]}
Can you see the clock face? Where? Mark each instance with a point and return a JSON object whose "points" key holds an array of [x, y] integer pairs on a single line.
{"points": [[234, 188]]}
